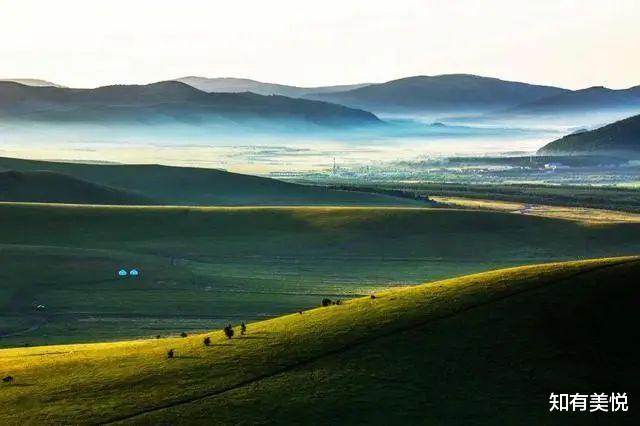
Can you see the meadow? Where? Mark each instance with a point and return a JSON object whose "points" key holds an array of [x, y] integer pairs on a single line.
{"points": [[479, 349], [202, 267]]}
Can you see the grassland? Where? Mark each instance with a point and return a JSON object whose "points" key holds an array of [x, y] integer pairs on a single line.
{"points": [[586, 215], [584, 196], [153, 184], [480, 349], [203, 267]]}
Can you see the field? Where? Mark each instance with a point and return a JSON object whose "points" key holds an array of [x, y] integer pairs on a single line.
{"points": [[480, 349], [581, 214], [592, 196], [203, 267]]}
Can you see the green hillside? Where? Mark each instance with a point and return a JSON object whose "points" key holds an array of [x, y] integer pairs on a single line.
{"points": [[49, 187], [480, 349], [184, 186], [202, 267], [620, 137]]}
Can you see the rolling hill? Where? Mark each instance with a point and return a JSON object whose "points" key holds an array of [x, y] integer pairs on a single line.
{"points": [[204, 266], [49, 187], [441, 93], [479, 349], [170, 103], [239, 85], [580, 101], [621, 137], [155, 184]]}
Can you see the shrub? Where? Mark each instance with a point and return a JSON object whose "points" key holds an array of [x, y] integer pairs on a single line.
{"points": [[183, 334], [326, 302], [243, 328], [228, 331], [207, 341], [171, 353]]}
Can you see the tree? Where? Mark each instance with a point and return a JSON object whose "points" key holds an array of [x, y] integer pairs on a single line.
{"points": [[243, 328], [326, 302], [228, 331], [183, 334], [207, 341], [170, 354]]}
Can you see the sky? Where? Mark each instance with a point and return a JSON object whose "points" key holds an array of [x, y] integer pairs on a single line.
{"points": [[88, 43]]}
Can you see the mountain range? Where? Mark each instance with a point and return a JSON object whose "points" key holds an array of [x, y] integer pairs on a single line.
{"points": [[238, 85], [169, 102], [584, 100], [35, 82], [228, 102], [441, 93]]}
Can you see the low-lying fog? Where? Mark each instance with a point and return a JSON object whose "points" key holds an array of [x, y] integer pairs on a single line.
{"points": [[403, 139]]}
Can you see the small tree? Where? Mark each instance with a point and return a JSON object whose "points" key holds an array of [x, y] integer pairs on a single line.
{"points": [[183, 334], [326, 302], [207, 341], [243, 328], [170, 354], [228, 331]]}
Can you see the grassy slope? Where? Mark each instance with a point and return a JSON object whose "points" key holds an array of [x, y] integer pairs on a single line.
{"points": [[196, 186], [483, 348], [236, 264], [610, 198], [587, 215], [621, 136], [49, 187]]}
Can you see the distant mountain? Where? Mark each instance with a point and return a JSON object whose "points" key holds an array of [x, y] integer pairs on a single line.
{"points": [[35, 82], [620, 137], [49, 187], [580, 101], [170, 102], [442, 93], [31, 180], [239, 85]]}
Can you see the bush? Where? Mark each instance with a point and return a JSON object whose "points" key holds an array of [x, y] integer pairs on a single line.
{"points": [[170, 354], [228, 331], [207, 341], [183, 334], [326, 302]]}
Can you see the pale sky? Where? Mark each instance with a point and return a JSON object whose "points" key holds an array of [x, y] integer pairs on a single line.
{"points": [[87, 43]]}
